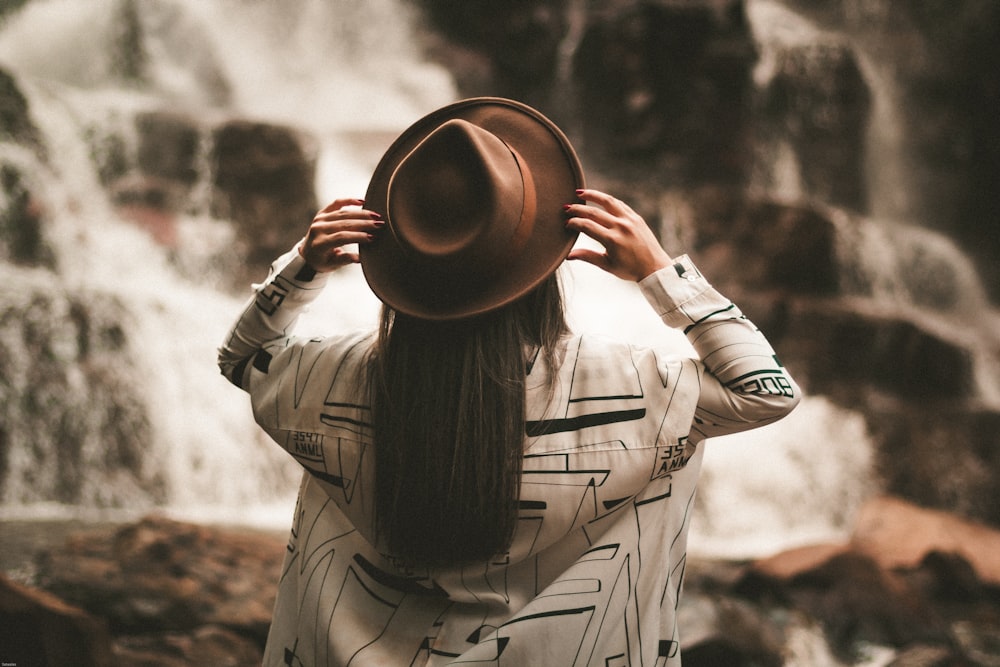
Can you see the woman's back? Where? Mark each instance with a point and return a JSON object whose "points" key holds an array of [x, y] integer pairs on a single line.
{"points": [[480, 486]]}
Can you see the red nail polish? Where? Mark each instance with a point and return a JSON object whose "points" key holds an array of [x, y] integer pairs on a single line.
{"points": [[579, 192]]}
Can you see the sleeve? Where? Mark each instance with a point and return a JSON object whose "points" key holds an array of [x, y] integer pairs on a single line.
{"points": [[270, 314], [743, 385]]}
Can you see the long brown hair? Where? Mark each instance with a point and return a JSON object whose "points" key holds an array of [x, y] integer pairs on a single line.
{"points": [[448, 409]]}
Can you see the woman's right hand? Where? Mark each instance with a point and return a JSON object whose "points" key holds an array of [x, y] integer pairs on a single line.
{"points": [[341, 223], [631, 250]]}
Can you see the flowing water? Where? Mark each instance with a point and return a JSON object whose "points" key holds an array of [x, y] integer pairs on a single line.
{"points": [[350, 73]]}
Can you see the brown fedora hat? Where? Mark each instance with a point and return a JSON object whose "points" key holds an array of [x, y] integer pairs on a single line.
{"points": [[472, 195]]}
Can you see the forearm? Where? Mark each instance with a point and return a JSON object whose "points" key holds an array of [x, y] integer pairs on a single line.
{"points": [[271, 312], [745, 384]]}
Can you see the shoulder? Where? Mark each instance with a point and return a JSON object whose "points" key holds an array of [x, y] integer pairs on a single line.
{"points": [[599, 365], [310, 361]]}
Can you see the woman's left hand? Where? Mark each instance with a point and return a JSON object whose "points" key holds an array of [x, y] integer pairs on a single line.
{"points": [[341, 223]]}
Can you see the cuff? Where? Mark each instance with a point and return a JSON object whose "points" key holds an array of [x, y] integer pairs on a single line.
{"points": [[673, 290]]}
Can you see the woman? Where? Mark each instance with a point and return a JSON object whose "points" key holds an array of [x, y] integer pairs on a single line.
{"points": [[480, 485]]}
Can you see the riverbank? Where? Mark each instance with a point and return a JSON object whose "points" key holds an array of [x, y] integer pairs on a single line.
{"points": [[911, 588]]}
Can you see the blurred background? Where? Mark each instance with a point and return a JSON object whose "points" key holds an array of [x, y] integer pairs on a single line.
{"points": [[832, 167]]}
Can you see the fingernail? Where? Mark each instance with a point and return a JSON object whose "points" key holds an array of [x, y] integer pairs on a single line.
{"points": [[566, 207], [377, 216], [579, 192], [379, 223]]}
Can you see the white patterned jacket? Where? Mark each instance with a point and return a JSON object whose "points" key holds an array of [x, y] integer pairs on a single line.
{"points": [[611, 462]]}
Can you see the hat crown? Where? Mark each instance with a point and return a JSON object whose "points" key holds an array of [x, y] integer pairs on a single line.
{"points": [[472, 195], [460, 198]]}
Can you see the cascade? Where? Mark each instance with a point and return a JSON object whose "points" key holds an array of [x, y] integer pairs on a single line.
{"points": [[350, 73]]}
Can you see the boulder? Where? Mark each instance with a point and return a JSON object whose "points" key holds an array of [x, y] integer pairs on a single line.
{"points": [[15, 117], [944, 457], [37, 628], [847, 349], [815, 104], [161, 576], [663, 90], [23, 216], [517, 61], [761, 245], [899, 534], [263, 180]]}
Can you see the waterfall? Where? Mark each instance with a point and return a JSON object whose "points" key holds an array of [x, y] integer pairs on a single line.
{"points": [[306, 63], [351, 74]]}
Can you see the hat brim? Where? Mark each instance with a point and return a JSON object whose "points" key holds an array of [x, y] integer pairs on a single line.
{"points": [[411, 286]]}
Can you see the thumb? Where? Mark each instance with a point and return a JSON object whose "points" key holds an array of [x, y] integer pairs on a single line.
{"points": [[598, 259]]}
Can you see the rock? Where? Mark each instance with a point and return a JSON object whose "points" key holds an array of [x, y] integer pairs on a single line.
{"points": [[37, 628], [663, 90], [911, 457], [816, 104], [211, 646], [15, 117], [933, 64], [763, 245], [162, 576], [899, 534], [22, 220], [263, 181], [854, 598], [169, 146], [518, 61], [722, 630], [909, 578], [845, 349], [787, 565], [153, 182]]}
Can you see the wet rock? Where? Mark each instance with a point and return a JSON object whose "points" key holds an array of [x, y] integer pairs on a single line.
{"points": [[518, 61], [663, 90], [208, 645], [263, 181], [22, 220], [161, 576], [723, 630], [174, 593], [816, 104], [899, 534], [761, 245], [917, 580], [169, 146], [912, 455], [15, 117], [937, 62], [845, 349], [37, 628]]}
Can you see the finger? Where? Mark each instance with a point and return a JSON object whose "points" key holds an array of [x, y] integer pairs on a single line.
{"points": [[325, 242], [597, 228], [602, 199], [599, 259], [323, 227], [346, 215], [342, 202], [609, 203], [347, 257]]}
